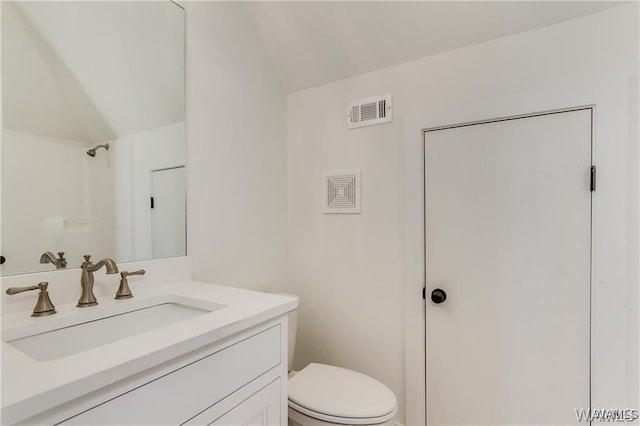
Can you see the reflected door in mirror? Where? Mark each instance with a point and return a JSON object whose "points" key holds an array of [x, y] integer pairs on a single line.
{"points": [[168, 218]]}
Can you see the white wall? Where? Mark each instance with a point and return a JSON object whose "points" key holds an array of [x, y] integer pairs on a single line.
{"points": [[50, 189], [633, 317], [236, 151], [348, 269]]}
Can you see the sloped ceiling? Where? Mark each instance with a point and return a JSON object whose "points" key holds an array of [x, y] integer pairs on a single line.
{"points": [[313, 43], [92, 71], [95, 71]]}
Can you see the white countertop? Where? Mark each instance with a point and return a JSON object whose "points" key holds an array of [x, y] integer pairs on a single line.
{"points": [[30, 386]]}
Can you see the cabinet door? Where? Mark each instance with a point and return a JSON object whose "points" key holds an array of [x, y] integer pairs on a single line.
{"points": [[260, 409]]}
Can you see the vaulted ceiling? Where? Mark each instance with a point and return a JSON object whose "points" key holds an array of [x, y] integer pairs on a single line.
{"points": [[91, 71], [125, 73], [312, 43]]}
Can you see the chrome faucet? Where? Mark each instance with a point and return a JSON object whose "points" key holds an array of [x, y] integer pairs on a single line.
{"points": [[59, 261], [86, 281]]}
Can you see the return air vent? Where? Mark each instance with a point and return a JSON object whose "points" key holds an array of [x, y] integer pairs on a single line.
{"points": [[370, 111], [341, 191]]}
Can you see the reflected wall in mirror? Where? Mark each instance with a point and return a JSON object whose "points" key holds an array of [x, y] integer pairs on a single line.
{"points": [[76, 75]]}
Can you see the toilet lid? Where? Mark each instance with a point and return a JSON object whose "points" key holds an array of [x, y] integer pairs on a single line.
{"points": [[329, 393]]}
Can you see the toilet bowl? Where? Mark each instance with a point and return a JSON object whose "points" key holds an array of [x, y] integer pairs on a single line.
{"points": [[325, 395]]}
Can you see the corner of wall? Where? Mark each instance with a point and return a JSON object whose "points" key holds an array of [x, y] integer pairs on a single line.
{"points": [[236, 115]]}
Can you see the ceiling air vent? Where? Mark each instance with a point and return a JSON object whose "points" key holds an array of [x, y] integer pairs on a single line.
{"points": [[370, 111]]}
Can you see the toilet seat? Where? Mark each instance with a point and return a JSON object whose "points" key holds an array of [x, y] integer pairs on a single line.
{"points": [[342, 420], [342, 396]]}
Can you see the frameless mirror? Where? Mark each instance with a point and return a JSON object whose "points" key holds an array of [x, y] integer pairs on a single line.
{"points": [[93, 132]]}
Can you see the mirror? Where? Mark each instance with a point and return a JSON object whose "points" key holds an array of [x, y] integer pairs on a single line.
{"points": [[93, 132]]}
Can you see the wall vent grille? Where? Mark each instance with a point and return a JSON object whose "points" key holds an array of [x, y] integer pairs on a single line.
{"points": [[341, 191], [370, 111]]}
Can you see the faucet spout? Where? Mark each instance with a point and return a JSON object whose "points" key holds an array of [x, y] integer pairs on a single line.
{"points": [[109, 264], [59, 261], [88, 298]]}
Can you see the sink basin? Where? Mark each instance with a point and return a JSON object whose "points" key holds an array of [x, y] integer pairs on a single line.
{"points": [[89, 334]]}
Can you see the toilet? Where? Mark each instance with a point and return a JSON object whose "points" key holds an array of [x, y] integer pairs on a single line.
{"points": [[325, 395]]}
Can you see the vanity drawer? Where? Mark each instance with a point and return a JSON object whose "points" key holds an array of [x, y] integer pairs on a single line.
{"points": [[178, 396], [260, 409], [258, 403]]}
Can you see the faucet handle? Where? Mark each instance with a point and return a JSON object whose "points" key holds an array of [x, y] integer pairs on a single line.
{"points": [[43, 306], [15, 290], [125, 274], [124, 292], [62, 262], [87, 257]]}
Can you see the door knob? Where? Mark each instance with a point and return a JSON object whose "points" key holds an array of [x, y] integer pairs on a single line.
{"points": [[438, 296]]}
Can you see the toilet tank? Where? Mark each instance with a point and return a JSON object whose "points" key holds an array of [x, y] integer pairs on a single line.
{"points": [[293, 328]]}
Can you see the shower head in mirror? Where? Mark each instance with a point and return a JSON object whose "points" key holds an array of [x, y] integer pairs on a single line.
{"points": [[92, 151]]}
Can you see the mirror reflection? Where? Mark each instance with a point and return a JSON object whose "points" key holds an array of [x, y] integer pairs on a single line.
{"points": [[93, 133]]}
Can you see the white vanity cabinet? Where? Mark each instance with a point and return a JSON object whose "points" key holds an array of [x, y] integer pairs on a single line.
{"points": [[241, 381], [260, 409]]}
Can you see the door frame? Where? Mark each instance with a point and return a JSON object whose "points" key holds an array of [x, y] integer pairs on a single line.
{"points": [[614, 337]]}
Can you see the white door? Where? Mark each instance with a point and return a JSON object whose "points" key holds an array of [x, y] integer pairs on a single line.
{"points": [[508, 231], [168, 212]]}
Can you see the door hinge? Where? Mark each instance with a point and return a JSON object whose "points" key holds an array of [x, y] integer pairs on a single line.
{"points": [[424, 293], [593, 178], [152, 202]]}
